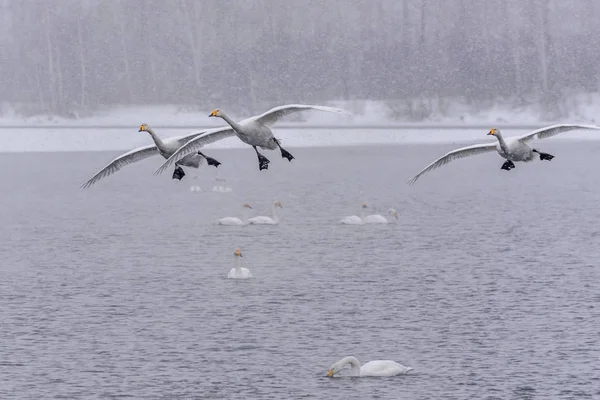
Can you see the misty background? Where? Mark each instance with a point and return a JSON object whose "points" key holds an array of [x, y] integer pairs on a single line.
{"points": [[74, 57]]}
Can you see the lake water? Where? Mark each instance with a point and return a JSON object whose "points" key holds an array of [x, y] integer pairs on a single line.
{"points": [[487, 285]]}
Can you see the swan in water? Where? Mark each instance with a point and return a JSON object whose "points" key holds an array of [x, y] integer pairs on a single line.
{"points": [[512, 149], [238, 272], [222, 187], [371, 368], [254, 131], [234, 220], [380, 219], [164, 147], [262, 220], [355, 219]]}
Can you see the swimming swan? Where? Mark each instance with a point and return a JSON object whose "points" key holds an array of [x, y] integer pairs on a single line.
{"points": [[254, 131], [262, 220], [234, 220], [238, 272], [355, 219], [512, 149], [371, 368], [164, 147], [380, 219]]}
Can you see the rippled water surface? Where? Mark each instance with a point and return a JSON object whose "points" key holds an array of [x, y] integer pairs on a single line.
{"points": [[487, 285]]}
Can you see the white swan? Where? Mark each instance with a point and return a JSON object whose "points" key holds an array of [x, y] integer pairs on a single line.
{"points": [[254, 131], [512, 149], [238, 272], [380, 219], [371, 368], [262, 220], [234, 220], [164, 147], [355, 219], [222, 188]]}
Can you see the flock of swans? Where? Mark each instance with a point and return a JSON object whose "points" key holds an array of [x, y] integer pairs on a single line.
{"points": [[184, 151]]}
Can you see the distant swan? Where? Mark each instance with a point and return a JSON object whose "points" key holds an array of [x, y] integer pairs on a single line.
{"points": [[262, 220], [222, 187], [371, 368], [238, 272], [164, 147], [234, 220], [512, 148], [355, 219], [380, 219]]}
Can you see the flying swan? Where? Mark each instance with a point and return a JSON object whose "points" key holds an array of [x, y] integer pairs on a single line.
{"points": [[263, 220], [234, 220], [512, 149], [238, 272], [371, 368], [164, 147], [254, 131]]}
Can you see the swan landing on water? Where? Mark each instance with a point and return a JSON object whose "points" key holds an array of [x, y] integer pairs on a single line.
{"points": [[512, 149], [238, 272], [371, 368], [164, 147]]}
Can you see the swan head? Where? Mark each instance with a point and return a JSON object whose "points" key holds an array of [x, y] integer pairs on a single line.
{"points": [[246, 205], [494, 132], [364, 205], [143, 128], [237, 253], [277, 204], [215, 113], [393, 213]]}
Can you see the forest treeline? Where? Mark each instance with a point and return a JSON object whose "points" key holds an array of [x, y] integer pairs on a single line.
{"points": [[74, 56]]}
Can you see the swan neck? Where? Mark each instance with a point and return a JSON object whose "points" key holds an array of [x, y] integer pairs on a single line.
{"points": [[231, 122], [501, 140], [354, 365], [237, 264], [275, 217], [157, 140]]}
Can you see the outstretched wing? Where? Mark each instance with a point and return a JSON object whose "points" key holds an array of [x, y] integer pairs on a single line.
{"points": [[455, 154], [210, 136], [186, 138], [274, 114], [124, 159], [553, 130]]}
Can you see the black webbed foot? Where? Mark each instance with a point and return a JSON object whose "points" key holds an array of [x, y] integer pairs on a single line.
{"points": [[263, 162], [284, 152], [544, 156], [178, 173], [508, 165]]}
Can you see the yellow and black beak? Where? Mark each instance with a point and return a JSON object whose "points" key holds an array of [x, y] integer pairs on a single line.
{"points": [[492, 132], [214, 113], [142, 128], [330, 373]]}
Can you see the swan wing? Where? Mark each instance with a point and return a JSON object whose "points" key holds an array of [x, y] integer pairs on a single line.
{"points": [[553, 130], [455, 154], [181, 140], [383, 368], [275, 114], [209, 136], [124, 159]]}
